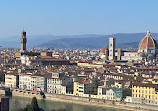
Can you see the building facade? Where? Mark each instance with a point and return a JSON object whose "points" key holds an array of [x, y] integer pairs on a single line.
{"points": [[145, 93], [11, 80]]}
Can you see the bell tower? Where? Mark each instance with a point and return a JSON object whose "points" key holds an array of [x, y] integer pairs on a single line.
{"points": [[23, 41], [111, 48]]}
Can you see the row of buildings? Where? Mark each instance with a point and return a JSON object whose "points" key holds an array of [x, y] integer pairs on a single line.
{"points": [[106, 74], [62, 83], [47, 82]]}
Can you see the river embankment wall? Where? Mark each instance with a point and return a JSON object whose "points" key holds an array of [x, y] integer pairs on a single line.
{"points": [[88, 101]]}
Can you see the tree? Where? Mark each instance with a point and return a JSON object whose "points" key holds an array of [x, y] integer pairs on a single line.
{"points": [[59, 110], [126, 92], [17, 109], [26, 108], [2, 78], [95, 85], [34, 105]]}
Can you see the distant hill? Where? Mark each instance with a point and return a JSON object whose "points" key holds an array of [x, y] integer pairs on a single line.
{"points": [[36, 40], [123, 40]]}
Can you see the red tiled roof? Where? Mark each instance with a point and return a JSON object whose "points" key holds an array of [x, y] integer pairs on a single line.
{"points": [[147, 41], [102, 51]]}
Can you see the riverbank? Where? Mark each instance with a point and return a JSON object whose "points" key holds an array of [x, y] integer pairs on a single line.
{"points": [[86, 101], [105, 105], [49, 105]]}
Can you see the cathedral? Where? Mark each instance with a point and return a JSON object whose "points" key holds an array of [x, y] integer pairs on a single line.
{"points": [[147, 50]]}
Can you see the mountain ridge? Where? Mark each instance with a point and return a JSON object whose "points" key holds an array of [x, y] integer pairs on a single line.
{"points": [[92, 41], [123, 40]]}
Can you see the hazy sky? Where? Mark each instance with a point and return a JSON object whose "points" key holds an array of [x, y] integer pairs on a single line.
{"points": [[65, 17]]}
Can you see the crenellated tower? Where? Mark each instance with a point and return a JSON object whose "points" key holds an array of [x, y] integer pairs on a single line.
{"points": [[23, 40]]}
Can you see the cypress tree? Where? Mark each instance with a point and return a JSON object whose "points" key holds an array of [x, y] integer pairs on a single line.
{"points": [[34, 105]]}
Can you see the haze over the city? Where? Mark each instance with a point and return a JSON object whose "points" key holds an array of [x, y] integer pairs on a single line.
{"points": [[72, 17]]}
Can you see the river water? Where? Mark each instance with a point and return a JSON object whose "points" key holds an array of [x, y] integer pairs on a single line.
{"points": [[47, 105]]}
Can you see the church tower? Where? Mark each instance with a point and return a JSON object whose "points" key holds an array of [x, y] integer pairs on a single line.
{"points": [[111, 48], [23, 41]]}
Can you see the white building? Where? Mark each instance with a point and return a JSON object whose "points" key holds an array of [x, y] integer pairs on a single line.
{"points": [[33, 82], [12, 80], [110, 94], [25, 81], [54, 84], [128, 99], [39, 82]]}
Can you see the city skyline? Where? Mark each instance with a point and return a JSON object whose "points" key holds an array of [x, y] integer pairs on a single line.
{"points": [[77, 17], [78, 55]]}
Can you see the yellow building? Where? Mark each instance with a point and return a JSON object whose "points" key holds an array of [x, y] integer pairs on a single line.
{"points": [[145, 93], [78, 88], [84, 87]]}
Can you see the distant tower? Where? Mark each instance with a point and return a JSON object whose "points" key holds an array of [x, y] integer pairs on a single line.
{"points": [[119, 51], [23, 41], [106, 53], [111, 48]]}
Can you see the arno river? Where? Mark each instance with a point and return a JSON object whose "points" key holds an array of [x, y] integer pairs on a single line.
{"points": [[20, 102]]}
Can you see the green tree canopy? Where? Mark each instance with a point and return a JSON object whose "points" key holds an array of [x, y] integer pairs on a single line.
{"points": [[126, 92], [34, 105]]}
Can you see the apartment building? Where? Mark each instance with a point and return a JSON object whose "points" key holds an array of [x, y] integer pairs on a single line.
{"points": [[54, 84], [145, 93], [12, 80]]}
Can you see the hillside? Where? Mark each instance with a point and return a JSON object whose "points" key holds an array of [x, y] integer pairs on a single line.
{"points": [[123, 40]]}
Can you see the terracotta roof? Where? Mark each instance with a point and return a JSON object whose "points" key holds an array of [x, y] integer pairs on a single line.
{"points": [[146, 85], [103, 50], [147, 68], [147, 41]]}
